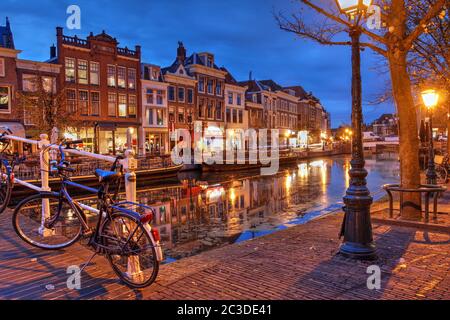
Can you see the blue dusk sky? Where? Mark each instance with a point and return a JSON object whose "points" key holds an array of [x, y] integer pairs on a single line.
{"points": [[242, 34]]}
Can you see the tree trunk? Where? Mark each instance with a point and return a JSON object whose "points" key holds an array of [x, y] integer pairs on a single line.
{"points": [[408, 134]]}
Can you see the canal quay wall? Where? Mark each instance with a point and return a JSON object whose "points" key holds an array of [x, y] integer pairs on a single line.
{"points": [[300, 262]]}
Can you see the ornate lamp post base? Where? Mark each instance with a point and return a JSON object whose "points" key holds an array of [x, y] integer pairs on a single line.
{"points": [[358, 251]]}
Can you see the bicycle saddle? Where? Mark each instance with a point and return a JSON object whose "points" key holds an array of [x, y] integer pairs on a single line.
{"points": [[107, 176]]}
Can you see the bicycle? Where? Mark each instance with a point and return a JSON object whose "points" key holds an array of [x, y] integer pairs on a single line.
{"points": [[442, 167], [7, 164], [122, 232]]}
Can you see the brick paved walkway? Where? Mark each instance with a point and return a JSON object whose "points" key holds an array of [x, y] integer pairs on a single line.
{"points": [[297, 263]]}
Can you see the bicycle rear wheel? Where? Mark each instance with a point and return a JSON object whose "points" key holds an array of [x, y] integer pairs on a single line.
{"points": [[131, 252], [442, 174], [5, 186], [27, 222]]}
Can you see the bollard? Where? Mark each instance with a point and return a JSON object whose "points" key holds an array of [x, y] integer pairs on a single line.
{"points": [[44, 166]]}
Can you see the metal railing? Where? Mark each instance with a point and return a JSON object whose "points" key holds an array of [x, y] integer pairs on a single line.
{"points": [[129, 165]]}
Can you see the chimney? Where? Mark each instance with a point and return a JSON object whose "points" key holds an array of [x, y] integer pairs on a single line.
{"points": [[8, 26], [181, 52], [250, 76], [52, 51]]}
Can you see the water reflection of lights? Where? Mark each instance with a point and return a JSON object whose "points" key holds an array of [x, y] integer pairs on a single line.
{"points": [[317, 163], [232, 195], [346, 174], [303, 170], [288, 182]]}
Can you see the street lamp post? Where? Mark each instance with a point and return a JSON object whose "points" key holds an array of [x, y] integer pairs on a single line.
{"points": [[357, 227], [430, 99]]}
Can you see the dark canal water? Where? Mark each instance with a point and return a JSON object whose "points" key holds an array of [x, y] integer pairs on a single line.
{"points": [[199, 212]]}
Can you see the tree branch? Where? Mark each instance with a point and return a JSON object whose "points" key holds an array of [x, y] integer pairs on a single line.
{"points": [[420, 28]]}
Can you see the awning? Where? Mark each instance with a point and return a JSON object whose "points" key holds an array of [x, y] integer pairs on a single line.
{"points": [[17, 128]]}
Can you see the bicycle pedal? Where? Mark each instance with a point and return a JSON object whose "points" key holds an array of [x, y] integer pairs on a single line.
{"points": [[87, 233]]}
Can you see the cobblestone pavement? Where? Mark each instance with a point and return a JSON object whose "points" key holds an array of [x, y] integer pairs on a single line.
{"points": [[297, 263]]}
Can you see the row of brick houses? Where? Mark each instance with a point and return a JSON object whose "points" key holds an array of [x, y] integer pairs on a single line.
{"points": [[113, 90]]}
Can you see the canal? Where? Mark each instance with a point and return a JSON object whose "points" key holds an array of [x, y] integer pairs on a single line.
{"points": [[200, 212]]}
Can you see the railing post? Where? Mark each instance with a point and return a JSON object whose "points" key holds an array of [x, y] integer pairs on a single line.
{"points": [[44, 166], [129, 165]]}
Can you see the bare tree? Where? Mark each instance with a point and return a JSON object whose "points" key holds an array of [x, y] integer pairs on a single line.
{"points": [[42, 107], [393, 41]]}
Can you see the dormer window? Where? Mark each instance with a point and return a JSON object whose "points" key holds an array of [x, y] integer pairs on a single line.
{"points": [[209, 62]]}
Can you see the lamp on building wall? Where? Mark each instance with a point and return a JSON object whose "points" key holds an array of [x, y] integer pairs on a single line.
{"points": [[356, 228], [430, 99]]}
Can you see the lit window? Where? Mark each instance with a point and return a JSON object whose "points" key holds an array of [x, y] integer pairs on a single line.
{"points": [[132, 79], [132, 106], [82, 71], [2, 67], [71, 96], [122, 105], [180, 94], [95, 103], [159, 117], [112, 104], [111, 76], [5, 99], [49, 84], [121, 77], [95, 73], [83, 101], [70, 69]]}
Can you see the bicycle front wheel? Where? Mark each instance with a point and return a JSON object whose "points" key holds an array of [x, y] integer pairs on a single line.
{"points": [[130, 252], [30, 226], [5, 186]]}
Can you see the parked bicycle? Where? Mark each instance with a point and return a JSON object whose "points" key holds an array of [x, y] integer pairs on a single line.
{"points": [[122, 231], [442, 167], [8, 162]]}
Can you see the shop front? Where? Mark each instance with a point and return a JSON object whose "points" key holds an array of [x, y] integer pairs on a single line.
{"points": [[156, 141]]}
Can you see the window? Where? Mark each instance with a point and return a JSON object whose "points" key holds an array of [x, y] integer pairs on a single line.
{"points": [[171, 94], [122, 105], [82, 72], [70, 70], [200, 108], [150, 116], [132, 78], [159, 117], [230, 98], [111, 75], [190, 96], [28, 83], [219, 88], [121, 77], [219, 110], [240, 116], [2, 67], [180, 94], [112, 104], [49, 84], [235, 116], [71, 96], [132, 106], [95, 103], [210, 86], [95, 73], [201, 84], [239, 99], [149, 95], [159, 97], [228, 115], [5, 99], [210, 109], [83, 101], [181, 115]]}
